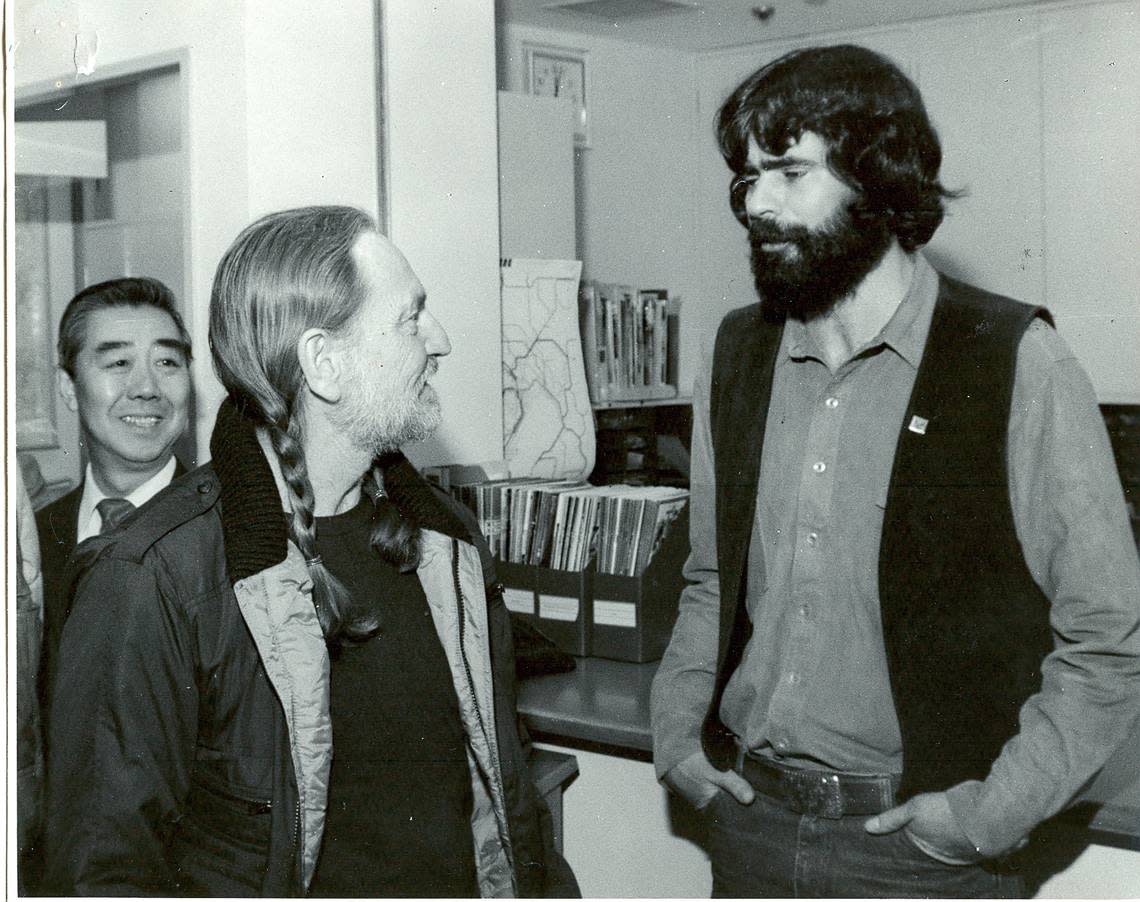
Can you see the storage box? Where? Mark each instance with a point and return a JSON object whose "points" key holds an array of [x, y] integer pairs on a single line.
{"points": [[624, 618], [518, 589], [565, 604], [633, 616], [556, 602]]}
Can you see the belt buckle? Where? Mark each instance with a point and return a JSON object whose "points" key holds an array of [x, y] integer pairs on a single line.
{"points": [[817, 794]]}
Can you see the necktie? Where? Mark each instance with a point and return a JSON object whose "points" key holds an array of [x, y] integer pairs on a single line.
{"points": [[112, 512]]}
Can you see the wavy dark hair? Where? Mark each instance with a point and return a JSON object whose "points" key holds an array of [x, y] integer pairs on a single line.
{"points": [[285, 273], [126, 292], [880, 140]]}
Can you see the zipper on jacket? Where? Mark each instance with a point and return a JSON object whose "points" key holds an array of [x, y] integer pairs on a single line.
{"points": [[462, 646], [298, 852], [248, 805], [504, 837], [296, 842], [260, 806]]}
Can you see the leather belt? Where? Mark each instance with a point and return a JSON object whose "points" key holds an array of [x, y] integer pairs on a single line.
{"points": [[823, 793]]}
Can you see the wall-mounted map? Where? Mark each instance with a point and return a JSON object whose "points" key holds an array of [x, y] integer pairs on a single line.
{"points": [[548, 425]]}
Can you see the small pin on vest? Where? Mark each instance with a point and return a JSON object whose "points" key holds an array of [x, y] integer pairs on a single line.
{"points": [[918, 424]]}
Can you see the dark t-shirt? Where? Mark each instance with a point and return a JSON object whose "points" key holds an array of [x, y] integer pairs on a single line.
{"points": [[400, 800]]}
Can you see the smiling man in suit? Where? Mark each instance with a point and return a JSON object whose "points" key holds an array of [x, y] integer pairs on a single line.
{"points": [[124, 367]]}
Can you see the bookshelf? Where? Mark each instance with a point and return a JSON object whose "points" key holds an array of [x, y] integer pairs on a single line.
{"points": [[684, 401], [630, 342]]}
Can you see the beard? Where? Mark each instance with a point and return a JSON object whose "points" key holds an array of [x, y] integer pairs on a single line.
{"points": [[817, 268], [378, 418]]}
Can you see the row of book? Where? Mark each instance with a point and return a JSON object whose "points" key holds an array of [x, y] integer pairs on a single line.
{"points": [[630, 341], [567, 525]]}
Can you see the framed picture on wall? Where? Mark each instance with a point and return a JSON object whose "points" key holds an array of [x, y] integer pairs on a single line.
{"points": [[560, 73]]}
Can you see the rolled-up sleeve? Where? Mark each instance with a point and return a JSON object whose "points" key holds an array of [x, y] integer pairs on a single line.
{"points": [[683, 687], [1071, 520]]}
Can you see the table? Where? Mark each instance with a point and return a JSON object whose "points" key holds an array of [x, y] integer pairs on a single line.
{"points": [[601, 705]]}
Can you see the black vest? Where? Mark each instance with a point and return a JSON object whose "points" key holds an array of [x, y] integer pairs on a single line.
{"points": [[965, 626]]}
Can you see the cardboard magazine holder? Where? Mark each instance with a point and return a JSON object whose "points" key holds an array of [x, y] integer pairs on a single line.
{"points": [[564, 607], [555, 602], [633, 616], [518, 589], [624, 618]]}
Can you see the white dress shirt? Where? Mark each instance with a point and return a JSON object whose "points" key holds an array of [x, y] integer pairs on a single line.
{"points": [[90, 523]]}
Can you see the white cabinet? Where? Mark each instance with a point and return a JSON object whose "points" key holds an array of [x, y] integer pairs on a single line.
{"points": [[536, 177]]}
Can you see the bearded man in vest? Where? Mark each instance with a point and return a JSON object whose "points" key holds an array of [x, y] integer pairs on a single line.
{"points": [[291, 673], [912, 630]]}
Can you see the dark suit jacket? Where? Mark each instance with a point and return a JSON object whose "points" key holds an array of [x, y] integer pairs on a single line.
{"points": [[58, 527]]}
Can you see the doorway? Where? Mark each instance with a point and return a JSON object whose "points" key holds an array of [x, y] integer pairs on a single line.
{"points": [[99, 194]]}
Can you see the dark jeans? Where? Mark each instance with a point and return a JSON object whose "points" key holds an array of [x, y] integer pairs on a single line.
{"points": [[765, 850]]}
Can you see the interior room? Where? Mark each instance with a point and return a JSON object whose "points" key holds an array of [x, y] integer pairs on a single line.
{"points": [[487, 137]]}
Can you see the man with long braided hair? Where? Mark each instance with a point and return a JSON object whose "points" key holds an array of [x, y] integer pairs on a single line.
{"points": [[306, 584]]}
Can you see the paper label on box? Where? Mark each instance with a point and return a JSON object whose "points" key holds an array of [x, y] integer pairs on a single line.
{"points": [[520, 601], [556, 607], [615, 613]]}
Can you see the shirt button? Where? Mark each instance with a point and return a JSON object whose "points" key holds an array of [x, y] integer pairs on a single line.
{"points": [[793, 678], [819, 466], [804, 611], [812, 538], [832, 403]]}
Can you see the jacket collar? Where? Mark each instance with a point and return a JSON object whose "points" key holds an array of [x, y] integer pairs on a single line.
{"points": [[418, 500], [253, 523], [253, 513]]}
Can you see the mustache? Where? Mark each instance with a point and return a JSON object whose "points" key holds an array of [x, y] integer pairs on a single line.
{"points": [[763, 231], [431, 369]]}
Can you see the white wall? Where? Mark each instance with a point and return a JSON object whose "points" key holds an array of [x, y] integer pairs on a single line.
{"points": [[310, 105], [280, 107], [636, 199], [439, 94], [536, 178], [1099, 872], [1090, 80], [617, 834]]}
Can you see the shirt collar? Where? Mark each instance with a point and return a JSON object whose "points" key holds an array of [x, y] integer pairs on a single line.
{"points": [[907, 329], [905, 332], [89, 522]]}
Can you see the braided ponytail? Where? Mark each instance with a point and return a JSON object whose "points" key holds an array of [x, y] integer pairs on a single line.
{"points": [[332, 601], [395, 536]]}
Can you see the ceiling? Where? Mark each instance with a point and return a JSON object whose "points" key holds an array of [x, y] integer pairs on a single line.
{"points": [[712, 24]]}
